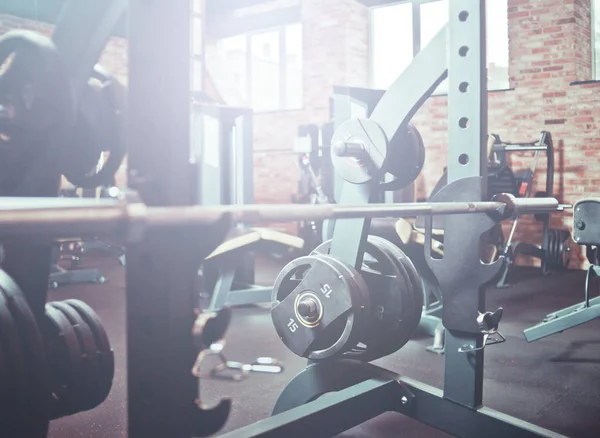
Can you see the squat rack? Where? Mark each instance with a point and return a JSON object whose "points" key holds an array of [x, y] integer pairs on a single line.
{"points": [[162, 396]]}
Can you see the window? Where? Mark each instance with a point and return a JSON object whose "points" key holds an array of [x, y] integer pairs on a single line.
{"points": [[197, 47], [399, 31], [596, 39], [261, 70]]}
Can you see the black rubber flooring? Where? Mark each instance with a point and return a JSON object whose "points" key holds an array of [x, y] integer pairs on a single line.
{"points": [[554, 383]]}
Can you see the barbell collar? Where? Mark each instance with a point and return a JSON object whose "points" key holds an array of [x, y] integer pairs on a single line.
{"points": [[63, 218]]}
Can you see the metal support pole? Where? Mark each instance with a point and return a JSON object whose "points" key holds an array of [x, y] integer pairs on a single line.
{"points": [[161, 289], [467, 120]]}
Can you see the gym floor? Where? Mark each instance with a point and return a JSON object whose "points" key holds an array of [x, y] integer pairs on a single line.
{"points": [[554, 383]]}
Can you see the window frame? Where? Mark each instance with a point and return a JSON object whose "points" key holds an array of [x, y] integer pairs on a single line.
{"points": [[416, 30], [197, 15], [594, 8], [280, 29]]}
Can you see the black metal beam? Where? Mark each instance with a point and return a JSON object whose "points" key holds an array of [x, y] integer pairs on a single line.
{"points": [[331, 415], [161, 282], [467, 158], [346, 408], [431, 408]]}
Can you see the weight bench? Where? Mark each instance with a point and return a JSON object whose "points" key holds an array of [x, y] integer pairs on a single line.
{"points": [[60, 276], [229, 270], [586, 231]]}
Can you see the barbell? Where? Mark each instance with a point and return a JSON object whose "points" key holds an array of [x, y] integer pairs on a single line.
{"points": [[121, 218]]}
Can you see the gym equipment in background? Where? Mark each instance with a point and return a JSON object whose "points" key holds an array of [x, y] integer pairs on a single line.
{"points": [[322, 311], [555, 250], [315, 185], [52, 122], [363, 391], [586, 231], [60, 276], [222, 146]]}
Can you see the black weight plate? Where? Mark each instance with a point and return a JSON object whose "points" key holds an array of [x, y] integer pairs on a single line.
{"points": [[5, 380], [546, 248], [65, 357], [361, 298], [105, 356], [364, 342], [405, 159], [13, 374], [555, 249], [415, 285], [566, 249], [398, 303], [89, 354], [550, 251], [35, 391], [414, 298], [362, 313], [360, 348], [357, 281], [396, 335], [558, 250], [337, 326]]}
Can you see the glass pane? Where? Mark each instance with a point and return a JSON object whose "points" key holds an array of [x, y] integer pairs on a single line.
{"points": [[497, 44], [197, 82], [392, 43], [434, 16], [197, 36], [210, 140], [197, 6], [264, 50], [293, 66], [228, 70], [596, 36]]}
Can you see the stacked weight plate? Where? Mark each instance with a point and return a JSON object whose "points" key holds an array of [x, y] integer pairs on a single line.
{"points": [[364, 315], [80, 356]]}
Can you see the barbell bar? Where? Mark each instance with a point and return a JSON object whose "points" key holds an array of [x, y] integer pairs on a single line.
{"points": [[518, 148], [66, 218]]}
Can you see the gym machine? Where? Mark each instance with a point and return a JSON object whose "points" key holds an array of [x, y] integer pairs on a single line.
{"points": [[356, 102], [222, 146], [555, 250], [585, 232], [315, 185], [319, 300], [72, 251]]}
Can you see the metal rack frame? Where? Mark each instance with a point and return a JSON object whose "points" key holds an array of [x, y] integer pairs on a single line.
{"points": [[161, 390]]}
